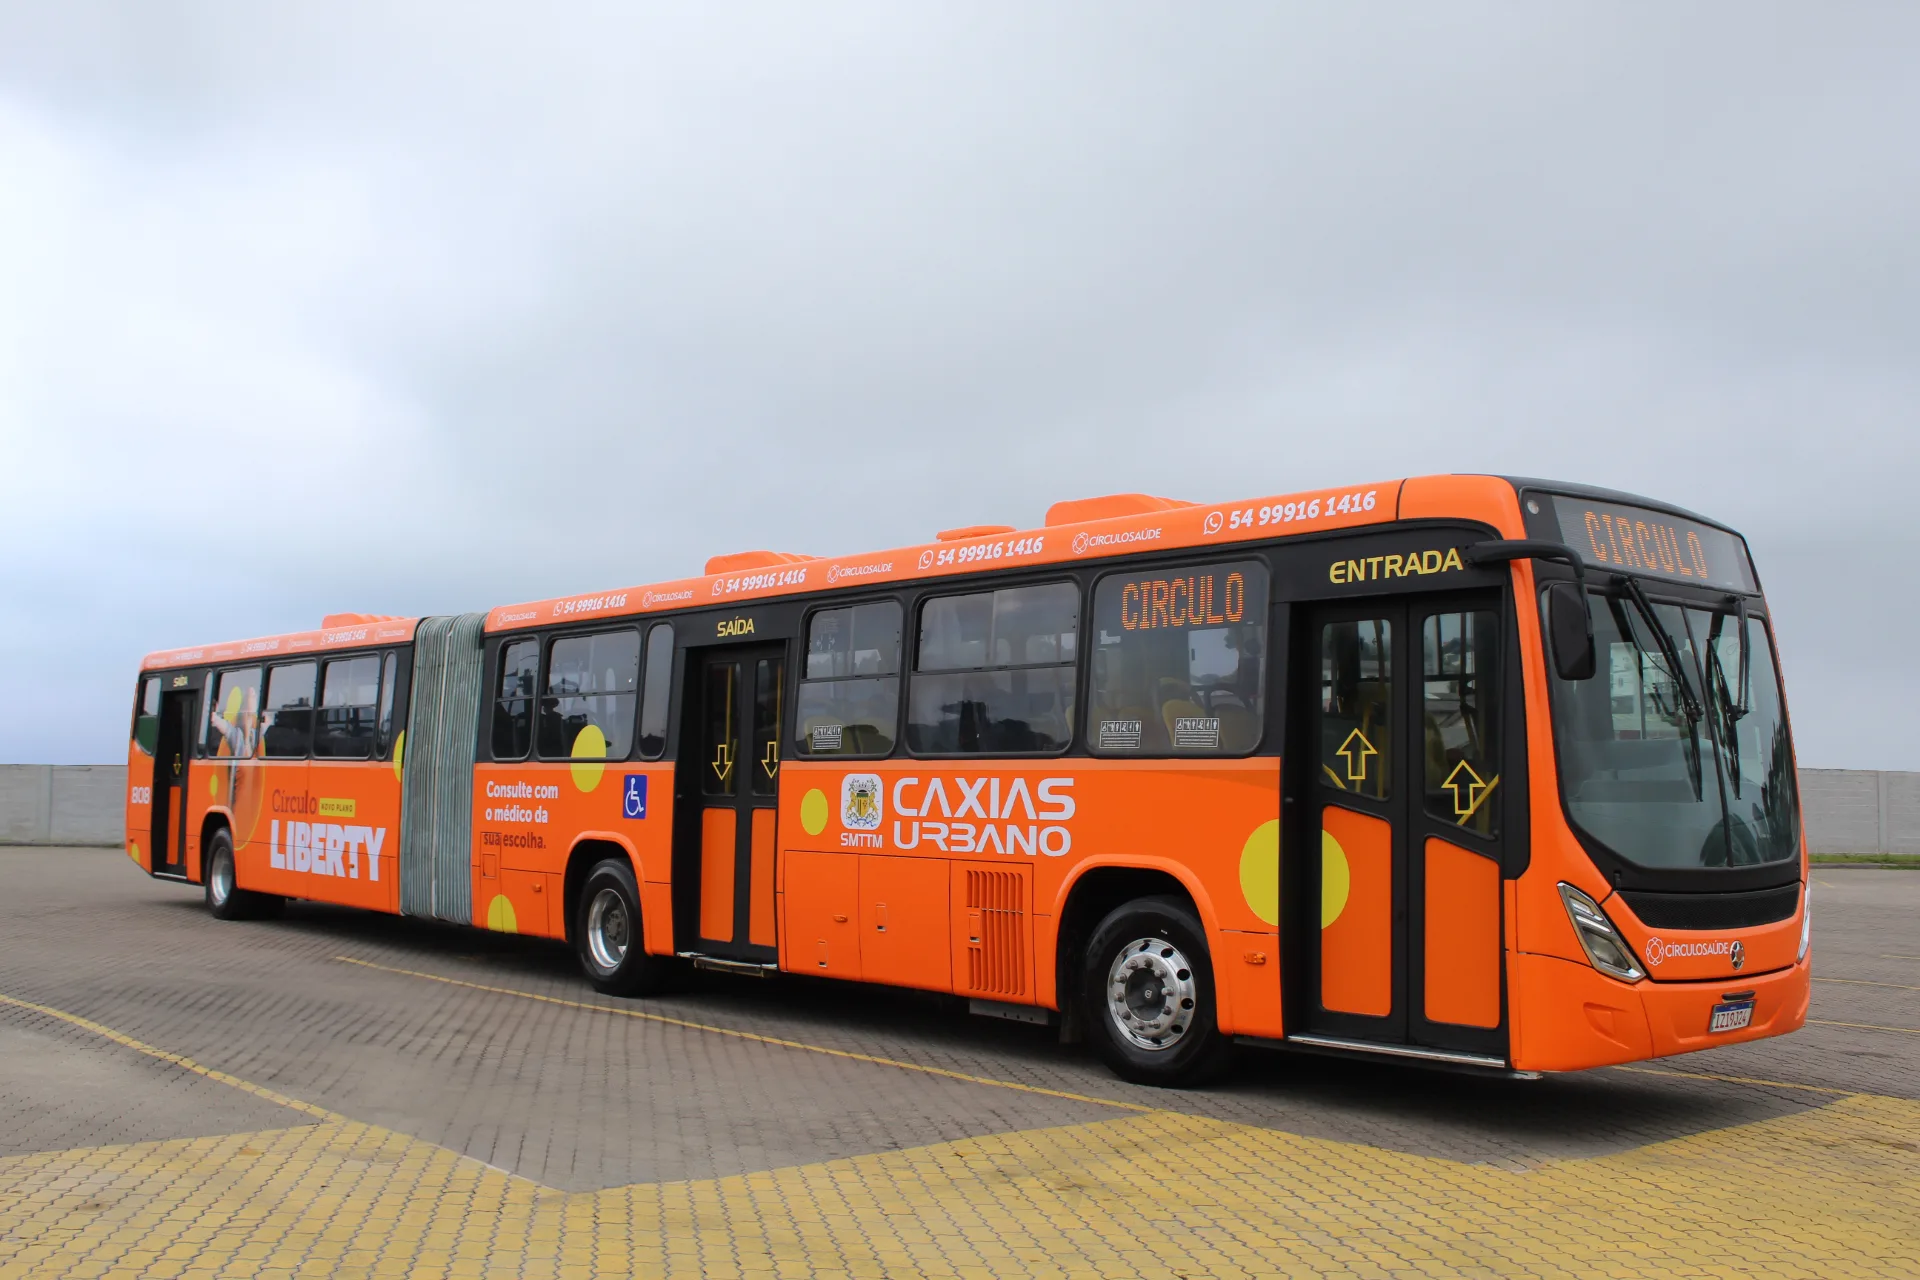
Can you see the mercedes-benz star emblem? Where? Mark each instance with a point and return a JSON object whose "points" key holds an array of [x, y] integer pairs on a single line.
{"points": [[1739, 957]]}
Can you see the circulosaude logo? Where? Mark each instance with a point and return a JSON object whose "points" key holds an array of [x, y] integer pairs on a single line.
{"points": [[1658, 949], [1085, 542]]}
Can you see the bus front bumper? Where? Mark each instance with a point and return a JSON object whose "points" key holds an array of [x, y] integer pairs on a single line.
{"points": [[1572, 1017]]}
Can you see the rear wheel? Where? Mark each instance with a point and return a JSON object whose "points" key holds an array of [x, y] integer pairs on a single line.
{"points": [[1148, 987], [608, 939]]}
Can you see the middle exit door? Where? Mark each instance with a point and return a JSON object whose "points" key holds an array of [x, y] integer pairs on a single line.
{"points": [[741, 695]]}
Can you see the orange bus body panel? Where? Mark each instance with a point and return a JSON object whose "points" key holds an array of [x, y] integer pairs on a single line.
{"points": [[139, 806], [822, 895], [718, 831], [905, 930], [760, 904], [1462, 936], [1356, 946]]}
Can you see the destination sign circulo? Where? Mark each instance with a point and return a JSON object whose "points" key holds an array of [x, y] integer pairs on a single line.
{"points": [[1636, 540]]}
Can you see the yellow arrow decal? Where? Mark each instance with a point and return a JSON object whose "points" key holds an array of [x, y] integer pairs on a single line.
{"points": [[1469, 792], [1356, 749]]}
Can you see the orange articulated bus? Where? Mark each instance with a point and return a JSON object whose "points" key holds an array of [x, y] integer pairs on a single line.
{"points": [[1475, 771]]}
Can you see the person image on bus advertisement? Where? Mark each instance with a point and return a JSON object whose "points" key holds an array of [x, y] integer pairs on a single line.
{"points": [[238, 727]]}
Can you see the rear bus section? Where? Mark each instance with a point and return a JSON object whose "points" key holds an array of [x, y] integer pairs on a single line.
{"points": [[271, 768]]}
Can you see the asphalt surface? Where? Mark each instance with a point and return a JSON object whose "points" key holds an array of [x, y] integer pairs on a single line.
{"points": [[545, 1079]]}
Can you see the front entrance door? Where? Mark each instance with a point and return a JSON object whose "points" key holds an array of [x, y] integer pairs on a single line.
{"points": [[739, 698], [173, 749], [1405, 803]]}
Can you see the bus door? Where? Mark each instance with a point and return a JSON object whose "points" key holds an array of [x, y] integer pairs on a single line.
{"points": [[173, 751], [739, 694], [1404, 803]]}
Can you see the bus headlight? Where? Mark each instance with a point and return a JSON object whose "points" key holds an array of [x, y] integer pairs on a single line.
{"points": [[1598, 938], [1806, 923]]}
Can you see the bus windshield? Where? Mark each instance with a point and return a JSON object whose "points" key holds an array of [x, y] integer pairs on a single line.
{"points": [[1678, 769]]}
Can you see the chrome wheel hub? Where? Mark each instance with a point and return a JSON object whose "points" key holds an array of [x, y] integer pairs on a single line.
{"points": [[609, 929], [1151, 995], [221, 881]]}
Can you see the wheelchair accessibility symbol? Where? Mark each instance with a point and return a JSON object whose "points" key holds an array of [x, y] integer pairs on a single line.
{"points": [[633, 801]]}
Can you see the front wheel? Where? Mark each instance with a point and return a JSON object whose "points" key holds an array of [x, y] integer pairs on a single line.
{"points": [[1148, 987], [226, 900], [608, 939]]}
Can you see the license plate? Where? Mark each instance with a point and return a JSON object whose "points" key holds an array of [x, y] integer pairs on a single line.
{"points": [[1730, 1017]]}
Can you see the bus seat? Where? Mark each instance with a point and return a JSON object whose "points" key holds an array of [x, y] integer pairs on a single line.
{"points": [[1174, 708], [1239, 728]]}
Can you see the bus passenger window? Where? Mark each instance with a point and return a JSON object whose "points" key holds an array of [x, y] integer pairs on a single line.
{"points": [[1356, 706], [1179, 661], [513, 705], [287, 727], [850, 690], [656, 697], [146, 716], [994, 672], [393, 694], [349, 695], [1460, 718], [233, 714], [592, 685]]}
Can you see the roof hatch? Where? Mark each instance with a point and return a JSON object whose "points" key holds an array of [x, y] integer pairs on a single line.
{"points": [[1109, 506], [754, 560]]}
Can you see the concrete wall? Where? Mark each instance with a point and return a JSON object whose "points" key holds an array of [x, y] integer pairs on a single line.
{"points": [[63, 804], [1861, 810], [1847, 810]]}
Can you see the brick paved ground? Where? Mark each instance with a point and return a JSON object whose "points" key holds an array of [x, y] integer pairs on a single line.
{"points": [[338, 1093]]}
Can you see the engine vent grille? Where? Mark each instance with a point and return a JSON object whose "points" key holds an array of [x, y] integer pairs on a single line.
{"points": [[1713, 910], [996, 933]]}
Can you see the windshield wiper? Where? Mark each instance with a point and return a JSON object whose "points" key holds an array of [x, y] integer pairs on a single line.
{"points": [[1745, 703], [1729, 708], [1669, 651]]}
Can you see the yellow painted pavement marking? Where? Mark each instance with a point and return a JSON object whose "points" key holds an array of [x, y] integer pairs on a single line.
{"points": [[178, 1060], [1828, 1191], [1863, 982], [1864, 1026], [755, 1037]]}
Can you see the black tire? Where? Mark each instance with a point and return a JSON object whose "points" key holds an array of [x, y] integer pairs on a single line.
{"points": [[226, 900], [1148, 989], [607, 936]]}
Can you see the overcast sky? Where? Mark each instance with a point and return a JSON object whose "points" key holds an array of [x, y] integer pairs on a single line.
{"points": [[419, 308]]}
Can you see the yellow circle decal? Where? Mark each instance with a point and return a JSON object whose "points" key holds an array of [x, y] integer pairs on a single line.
{"points": [[1260, 871], [589, 757], [234, 703], [213, 785], [133, 851], [1335, 879], [500, 917], [399, 750], [813, 812]]}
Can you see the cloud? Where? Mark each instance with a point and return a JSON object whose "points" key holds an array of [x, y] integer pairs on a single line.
{"points": [[410, 307]]}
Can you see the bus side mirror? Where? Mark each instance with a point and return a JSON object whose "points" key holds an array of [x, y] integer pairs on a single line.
{"points": [[1570, 632]]}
